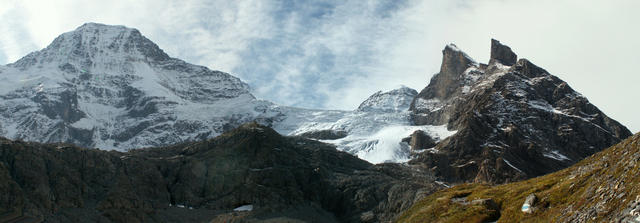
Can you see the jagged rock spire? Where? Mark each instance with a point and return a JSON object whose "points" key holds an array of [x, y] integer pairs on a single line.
{"points": [[513, 120], [502, 53], [454, 61]]}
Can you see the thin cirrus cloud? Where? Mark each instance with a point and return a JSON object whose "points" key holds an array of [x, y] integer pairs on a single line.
{"points": [[333, 54]]}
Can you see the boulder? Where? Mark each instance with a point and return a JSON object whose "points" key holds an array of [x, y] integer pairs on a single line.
{"points": [[529, 202], [487, 203]]}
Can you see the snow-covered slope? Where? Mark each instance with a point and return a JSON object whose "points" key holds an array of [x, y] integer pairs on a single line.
{"points": [[376, 135], [110, 87], [390, 101]]}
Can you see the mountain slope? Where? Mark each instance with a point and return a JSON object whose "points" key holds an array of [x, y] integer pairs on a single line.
{"points": [[283, 178], [601, 188], [395, 100], [373, 132], [513, 119], [109, 87]]}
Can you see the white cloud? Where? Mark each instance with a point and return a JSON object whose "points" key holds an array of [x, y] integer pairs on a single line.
{"points": [[333, 54]]}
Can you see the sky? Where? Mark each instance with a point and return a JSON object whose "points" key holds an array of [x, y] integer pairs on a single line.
{"points": [[333, 54]]}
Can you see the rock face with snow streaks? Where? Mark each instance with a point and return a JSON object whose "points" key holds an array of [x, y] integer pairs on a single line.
{"points": [[513, 119], [110, 87]]}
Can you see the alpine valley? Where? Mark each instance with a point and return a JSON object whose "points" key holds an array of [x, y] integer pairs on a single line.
{"points": [[178, 142]]}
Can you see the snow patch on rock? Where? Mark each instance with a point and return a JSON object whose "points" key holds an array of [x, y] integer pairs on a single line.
{"points": [[248, 207]]}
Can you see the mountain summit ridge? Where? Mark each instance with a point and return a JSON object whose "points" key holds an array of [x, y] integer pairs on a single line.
{"points": [[110, 87], [95, 40], [513, 119]]}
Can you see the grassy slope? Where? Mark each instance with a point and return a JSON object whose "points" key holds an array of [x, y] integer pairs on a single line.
{"points": [[596, 189]]}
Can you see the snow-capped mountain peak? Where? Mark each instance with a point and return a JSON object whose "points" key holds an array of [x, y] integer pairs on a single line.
{"points": [[110, 87], [96, 44], [394, 100]]}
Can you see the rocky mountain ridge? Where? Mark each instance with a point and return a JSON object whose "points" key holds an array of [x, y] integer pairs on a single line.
{"points": [[513, 119]]}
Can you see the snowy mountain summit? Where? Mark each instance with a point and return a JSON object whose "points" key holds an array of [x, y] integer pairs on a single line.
{"points": [[395, 100], [110, 87]]}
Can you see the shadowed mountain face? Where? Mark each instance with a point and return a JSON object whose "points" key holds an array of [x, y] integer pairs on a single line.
{"points": [[284, 178], [513, 119]]}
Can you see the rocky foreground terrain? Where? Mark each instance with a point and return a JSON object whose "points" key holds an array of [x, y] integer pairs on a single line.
{"points": [[282, 178], [601, 188]]}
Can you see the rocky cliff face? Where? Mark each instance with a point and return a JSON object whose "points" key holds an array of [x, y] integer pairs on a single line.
{"points": [[513, 119], [282, 178]]}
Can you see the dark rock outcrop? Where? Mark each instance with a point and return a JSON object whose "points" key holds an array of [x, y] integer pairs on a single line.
{"points": [[284, 178], [512, 122], [420, 140], [328, 134], [502, 54]]}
